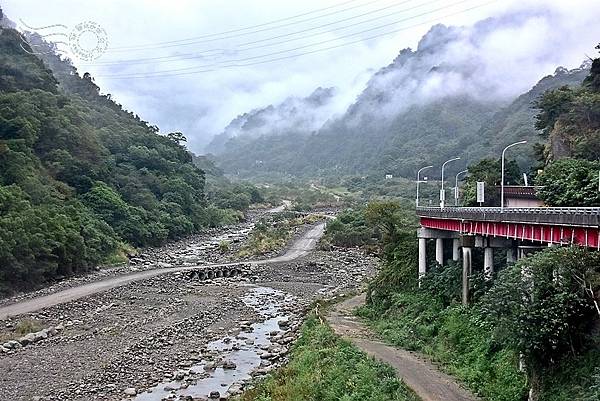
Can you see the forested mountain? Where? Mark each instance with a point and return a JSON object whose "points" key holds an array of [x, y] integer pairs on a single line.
{"points": [[294, 116], [428, 105], [569, 119], [516, 121], [81, 178]]}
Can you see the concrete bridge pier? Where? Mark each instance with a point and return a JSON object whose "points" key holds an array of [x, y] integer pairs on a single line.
{"points": [[439, 251], [423, 234], [466, 272], [422, 257], [511, 255], [455, 249], [488, 262]]}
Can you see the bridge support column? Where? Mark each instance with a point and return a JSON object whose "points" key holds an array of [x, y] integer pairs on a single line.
{"points": [[488, 262], [455, 249], [422, 258], [465, 274], [511, 255], [439, 251]]}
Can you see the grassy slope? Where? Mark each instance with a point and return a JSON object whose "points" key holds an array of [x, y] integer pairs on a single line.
{"points": [[324, 367], [453, 337]]}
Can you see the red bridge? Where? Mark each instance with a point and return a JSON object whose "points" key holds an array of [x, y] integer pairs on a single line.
{"points": [[577, 226], [516, 231]]}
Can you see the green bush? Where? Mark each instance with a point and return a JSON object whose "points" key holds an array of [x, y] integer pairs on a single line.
{"points": [[453, 336], [348, 229], [224, 246]]}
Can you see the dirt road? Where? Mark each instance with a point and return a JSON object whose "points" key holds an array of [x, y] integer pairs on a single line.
{"points": [[420, 375], [299, 248]]}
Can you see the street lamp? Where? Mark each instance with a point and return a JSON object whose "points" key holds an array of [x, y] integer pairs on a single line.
{"points": [[456, 186], [442, 193], [419, 181], [502, 182]]}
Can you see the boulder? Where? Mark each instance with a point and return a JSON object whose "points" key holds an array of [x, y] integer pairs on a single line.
{"points": [[52, 331], [41, 335], [164, 265], [27, 339], [130, 391]]}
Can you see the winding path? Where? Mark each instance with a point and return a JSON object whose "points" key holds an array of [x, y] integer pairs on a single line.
{"points": [[299, 248], [420, 375]]}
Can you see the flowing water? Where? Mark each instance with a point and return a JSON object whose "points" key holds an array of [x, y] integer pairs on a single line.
{"points": [[244, 351]]}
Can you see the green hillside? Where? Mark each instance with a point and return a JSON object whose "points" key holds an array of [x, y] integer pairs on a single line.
{"points": [[81, 178]]}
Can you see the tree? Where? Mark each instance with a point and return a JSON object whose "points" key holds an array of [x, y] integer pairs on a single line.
{"points": [[177, 137], [569, 182], [570, 118], [552, 105], [490, 172], [544, 306], [593, 80]]}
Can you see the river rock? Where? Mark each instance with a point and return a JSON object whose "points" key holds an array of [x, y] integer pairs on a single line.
{"points": [[164, 265], [40, 335], [130, 391], [27, 339]]}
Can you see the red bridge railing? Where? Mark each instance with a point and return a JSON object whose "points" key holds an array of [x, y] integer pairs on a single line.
{"points": [[546, 225], [565, 216]]}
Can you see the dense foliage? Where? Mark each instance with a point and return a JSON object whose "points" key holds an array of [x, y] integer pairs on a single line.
{"points": [[326, 368], [348, 229], [545, 307], [570, 118], [570, 182], [80, 177]]}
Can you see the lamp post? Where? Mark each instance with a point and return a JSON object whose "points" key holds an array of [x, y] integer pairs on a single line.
{"points": [[502, 182], [456, 186], [419, 181], [442, 193]]}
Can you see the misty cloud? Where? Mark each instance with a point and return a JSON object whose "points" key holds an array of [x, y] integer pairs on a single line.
{"points": [[530, 36], [494, 60]]}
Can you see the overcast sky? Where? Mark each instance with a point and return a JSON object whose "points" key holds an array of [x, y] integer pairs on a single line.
{"points": [[172, 61]]}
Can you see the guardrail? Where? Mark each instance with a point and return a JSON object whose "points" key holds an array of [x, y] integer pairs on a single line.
{"points": [[566, 216]]}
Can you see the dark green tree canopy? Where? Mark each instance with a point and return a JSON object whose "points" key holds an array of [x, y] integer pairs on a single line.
{"points": [[80, 177], [570, 182]]}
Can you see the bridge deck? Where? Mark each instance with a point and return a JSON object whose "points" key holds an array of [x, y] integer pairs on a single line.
{"points": [[545, 225], [567, 216]]}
